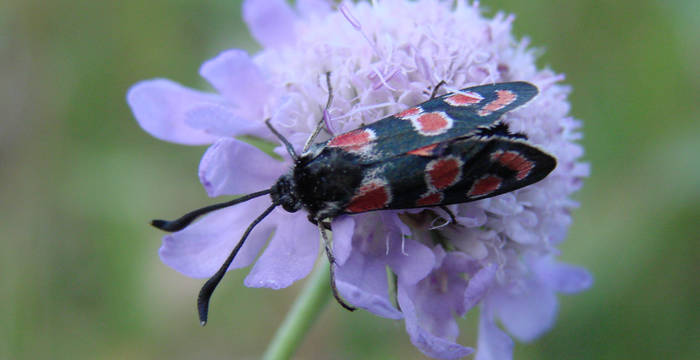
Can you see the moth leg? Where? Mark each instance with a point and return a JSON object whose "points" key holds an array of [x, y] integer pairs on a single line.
{"points": [[287, 144], [331, 260], [442, 221], [312, 220], [326, 225], [319, 126], [449, 212], [435, 90]]}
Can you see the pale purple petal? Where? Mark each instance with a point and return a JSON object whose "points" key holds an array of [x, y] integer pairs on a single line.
{"points": [[160, 106], [239, 80], [520, 228], [426, 342], [271, 22], [504, 205], [557, 225], [439, 255], [472, 241], [290, 256], [447, 299], [471, 216], [391, 219], [526, 310], [564, 278], [409, 259], [343, 229], [231, 167], [440, 296], [493, 343], [219, 120], [362, 282], [307, 8], [201, 248], [479, 285], [458, 262]]}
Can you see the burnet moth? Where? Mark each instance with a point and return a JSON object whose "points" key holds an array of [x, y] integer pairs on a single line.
{"points": [[450, 149]]}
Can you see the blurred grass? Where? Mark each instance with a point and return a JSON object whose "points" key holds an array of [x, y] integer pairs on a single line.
{"points": [[80, 277]]}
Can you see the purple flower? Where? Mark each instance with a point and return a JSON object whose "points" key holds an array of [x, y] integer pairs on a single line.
{"points": [[383, 56]]}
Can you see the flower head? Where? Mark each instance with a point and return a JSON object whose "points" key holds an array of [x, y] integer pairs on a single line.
{"points": [[383, 57]]}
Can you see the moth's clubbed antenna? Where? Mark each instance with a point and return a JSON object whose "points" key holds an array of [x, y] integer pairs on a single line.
{"points": [[181, 223], [210, 285], [185, 220]]}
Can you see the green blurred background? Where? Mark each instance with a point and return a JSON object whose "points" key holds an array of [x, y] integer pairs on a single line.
{"points": [[79, 274]]}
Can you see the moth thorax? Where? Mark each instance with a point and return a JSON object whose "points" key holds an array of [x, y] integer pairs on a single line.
{"points": [[284, 193]]}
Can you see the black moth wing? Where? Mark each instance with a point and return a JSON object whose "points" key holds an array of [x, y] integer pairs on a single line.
{"points": [[458, 171], [514, 162], [450, 116]]}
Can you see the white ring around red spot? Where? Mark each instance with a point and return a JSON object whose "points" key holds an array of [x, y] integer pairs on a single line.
{"points": [[408, 113], [463, 99], [432, 123], [443, 172], [356, 141]]}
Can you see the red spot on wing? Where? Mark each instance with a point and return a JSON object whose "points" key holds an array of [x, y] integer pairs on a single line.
{"points": [[514, 161], [433, 123], [485, 186], [442, 173], [464, 99], [372, 195], [505, 98], [409, 112], [424, 151], [430, 199], [356, 141]]}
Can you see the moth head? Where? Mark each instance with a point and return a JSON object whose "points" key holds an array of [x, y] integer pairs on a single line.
{"points": [[283, 193]]}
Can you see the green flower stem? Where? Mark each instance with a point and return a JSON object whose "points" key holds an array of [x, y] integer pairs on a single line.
{"points": [[303, 314]]}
